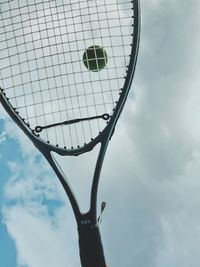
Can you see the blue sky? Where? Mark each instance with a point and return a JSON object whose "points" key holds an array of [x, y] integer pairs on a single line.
{"points": [[150, 181], [8, 251]]}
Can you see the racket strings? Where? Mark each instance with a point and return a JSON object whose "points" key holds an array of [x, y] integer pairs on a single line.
{"points": [[82, 78], [54, 30], [91, 23], [67, 10], [42, 71], [114, 57]]}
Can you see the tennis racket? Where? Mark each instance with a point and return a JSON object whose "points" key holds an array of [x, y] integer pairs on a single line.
{"points": [[66, 68]]}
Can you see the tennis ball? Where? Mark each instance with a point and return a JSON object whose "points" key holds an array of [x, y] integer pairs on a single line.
{"points": [[95, 58]]}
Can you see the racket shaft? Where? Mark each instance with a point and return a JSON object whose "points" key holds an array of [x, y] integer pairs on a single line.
{"points": [[90, 246]]}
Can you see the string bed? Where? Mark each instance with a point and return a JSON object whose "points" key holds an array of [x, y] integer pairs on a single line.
{"points": [[42, 70]]}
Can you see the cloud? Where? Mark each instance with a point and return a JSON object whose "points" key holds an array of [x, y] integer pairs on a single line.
{"points": [[35, 211], [36, 214], [40, 242], [165, 117], [2, 137]]}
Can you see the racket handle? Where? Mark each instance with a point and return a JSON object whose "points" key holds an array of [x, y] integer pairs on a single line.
{"points": [[90, 246]]}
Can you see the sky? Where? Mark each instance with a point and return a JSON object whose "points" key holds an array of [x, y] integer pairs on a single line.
{"points": [[150, 177]]}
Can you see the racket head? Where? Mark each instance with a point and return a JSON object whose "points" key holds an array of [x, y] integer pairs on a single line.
{"points": [[38, 87]]}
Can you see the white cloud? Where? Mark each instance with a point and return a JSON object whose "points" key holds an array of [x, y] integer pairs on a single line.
{"points": [[2, 137], [33, 181], [42, 237], [13, 131], [39, 241]]}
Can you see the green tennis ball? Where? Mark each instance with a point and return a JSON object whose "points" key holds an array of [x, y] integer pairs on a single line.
{"points": [[95, 58]]}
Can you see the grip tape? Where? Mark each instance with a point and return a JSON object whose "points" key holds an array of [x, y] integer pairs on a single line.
{"points": [[90, 246]]}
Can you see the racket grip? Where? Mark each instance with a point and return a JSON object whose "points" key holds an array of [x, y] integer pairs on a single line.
{"points": [[90, 246]]}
